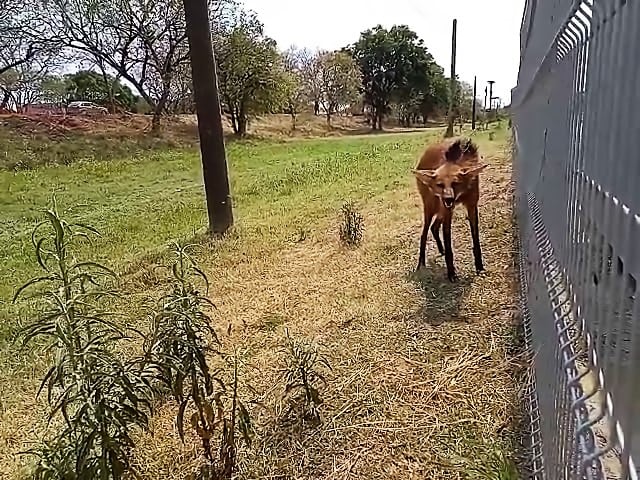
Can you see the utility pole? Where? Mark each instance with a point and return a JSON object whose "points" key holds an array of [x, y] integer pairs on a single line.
{"points": [[452, 88], [205, 92], [491, 82], [473, 105]]}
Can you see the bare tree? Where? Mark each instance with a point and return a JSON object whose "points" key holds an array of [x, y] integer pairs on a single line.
{"points": [[298, 94], [340, 82], [27, 54], [142, 41], [181, 99], [311, 71], [24, 38], [21, 86]]}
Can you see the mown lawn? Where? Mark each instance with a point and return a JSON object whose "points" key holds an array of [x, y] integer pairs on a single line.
{"points": [[424, 381], [142, 203]]}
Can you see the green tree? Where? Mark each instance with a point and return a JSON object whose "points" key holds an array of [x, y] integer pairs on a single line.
{"points": [[395, 66], [251, 76], [340, 82], [54, 89], [94, 87], [437, 101], [464, 102]]}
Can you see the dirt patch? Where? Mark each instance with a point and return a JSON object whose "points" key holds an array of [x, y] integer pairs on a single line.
{"points": [[98, 125]]}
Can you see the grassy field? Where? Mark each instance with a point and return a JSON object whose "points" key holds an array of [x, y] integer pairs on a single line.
{"points": [[424, 381], [28, 142]]}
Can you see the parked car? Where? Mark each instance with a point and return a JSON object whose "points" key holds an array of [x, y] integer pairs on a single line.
{"points": [[86, 108]]}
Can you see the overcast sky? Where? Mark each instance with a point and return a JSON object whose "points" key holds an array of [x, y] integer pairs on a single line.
{"points": [[488, 30]]}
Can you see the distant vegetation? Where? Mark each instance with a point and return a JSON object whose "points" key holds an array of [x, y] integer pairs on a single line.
{"points": [[132, 55]]}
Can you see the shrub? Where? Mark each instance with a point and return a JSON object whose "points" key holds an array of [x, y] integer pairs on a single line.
{"points": [[352, 226], [181, 339], [98, 398], [303, 376]]}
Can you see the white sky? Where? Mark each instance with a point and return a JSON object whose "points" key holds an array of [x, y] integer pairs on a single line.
{"points": [[488, 30]]}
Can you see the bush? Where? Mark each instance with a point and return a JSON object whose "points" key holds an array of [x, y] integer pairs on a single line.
{"points": [[303, 377], [100, 399], [181, 339], [97, 398], [352, 226]]}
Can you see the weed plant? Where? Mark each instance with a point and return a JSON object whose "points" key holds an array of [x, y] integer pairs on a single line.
{"points": [[303, 377], [352, 226], [97, 399]]}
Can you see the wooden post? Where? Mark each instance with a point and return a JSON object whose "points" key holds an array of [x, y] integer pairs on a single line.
{"points": [[453, 85], [491, 82], [205, 92], [473, 105]]}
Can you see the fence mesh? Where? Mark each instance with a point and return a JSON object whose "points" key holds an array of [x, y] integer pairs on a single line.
{"points": [[577, 167]]}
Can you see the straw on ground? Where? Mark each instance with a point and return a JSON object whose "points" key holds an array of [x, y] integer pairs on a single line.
{"points": [[423, 371]]}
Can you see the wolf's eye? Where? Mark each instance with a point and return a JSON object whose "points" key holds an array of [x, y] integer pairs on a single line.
{"points": [[455, 184], [440, 185]]}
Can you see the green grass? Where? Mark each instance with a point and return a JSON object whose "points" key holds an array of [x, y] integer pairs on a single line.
{"points": [[140, 204], [284, 193], [26, 151]]}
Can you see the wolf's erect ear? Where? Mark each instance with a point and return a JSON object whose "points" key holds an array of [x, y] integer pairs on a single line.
{"points": [[425, 176], [473, 171]]}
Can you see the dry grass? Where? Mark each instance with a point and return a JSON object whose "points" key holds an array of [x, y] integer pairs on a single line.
{"points": [[424, 371], [181, 126], [31, 141]]}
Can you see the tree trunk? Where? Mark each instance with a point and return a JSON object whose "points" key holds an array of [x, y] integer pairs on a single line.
{"points": [[162, 104], [329, 118], [294, 118], [5, 100], [379, 117], [110, 91], [205, 89], [242, 126], [234, 120], [155, 121], [157, 113], [242, 120], [316, 107]]}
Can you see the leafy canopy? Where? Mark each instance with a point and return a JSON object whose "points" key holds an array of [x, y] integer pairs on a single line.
{"points": [[251, 74], [396, 66], [93, 87]]}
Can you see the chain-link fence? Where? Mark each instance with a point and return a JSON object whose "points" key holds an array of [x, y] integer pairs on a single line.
{"points": [[577, 163]]}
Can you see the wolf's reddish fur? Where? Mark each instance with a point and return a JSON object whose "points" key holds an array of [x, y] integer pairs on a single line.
{"points": [[447, 175]]}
